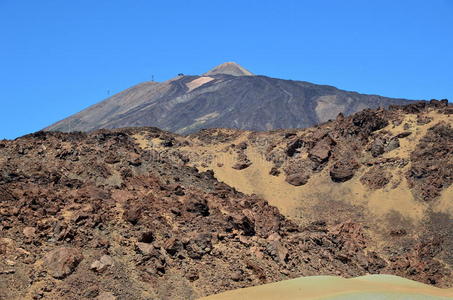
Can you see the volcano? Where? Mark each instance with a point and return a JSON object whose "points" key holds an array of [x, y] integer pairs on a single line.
{"points": [[228, 96]]}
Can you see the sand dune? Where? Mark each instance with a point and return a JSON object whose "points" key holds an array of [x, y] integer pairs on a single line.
{"points": [[335, 288]]}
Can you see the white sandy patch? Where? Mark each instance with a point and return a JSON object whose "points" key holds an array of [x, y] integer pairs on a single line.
{"points": [[207, 117], [198, 82]]}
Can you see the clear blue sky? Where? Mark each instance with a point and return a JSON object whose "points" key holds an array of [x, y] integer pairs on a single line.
{"points": [[58, 57]]}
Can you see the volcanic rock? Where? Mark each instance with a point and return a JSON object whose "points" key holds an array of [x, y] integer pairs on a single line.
{"points": [[376, 178], [274, 171], [102, 264], [297, 179], [404, 134], [321, 151], [29, 232], [199, 245], [133, 213], [342, 171], [61, 262]]}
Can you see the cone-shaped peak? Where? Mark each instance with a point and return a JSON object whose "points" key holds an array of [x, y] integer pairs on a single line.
{"points": [[229, 68]]}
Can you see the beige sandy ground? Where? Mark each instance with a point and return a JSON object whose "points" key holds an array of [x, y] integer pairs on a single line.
{"points": [[383, 287]]}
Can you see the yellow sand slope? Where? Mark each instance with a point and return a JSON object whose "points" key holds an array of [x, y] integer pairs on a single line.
{"points": [[383, 287]]}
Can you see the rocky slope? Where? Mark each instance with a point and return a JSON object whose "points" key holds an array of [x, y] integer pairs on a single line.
{"points": [[226, 97], [389, 170], [140, 213]]}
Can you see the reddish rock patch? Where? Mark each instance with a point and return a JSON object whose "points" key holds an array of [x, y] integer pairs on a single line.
{"points": [[61, 262]]}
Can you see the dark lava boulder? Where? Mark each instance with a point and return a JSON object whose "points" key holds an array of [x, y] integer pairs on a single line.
{"points": [[342, 170], [297, 179]]}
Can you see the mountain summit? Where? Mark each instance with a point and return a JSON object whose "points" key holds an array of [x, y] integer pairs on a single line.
{"points": [[229, 68], [228, 96]]}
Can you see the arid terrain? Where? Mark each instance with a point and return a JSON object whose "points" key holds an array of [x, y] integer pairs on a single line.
{"points": [[141, 213]]}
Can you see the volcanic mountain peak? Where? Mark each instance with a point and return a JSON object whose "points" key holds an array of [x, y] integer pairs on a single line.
{"points": [[187, 104], [229, 68]]}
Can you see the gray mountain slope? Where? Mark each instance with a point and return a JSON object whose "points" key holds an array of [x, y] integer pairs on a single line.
{"points": [[233, 100]]}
